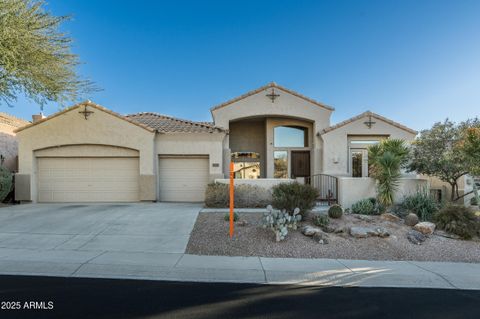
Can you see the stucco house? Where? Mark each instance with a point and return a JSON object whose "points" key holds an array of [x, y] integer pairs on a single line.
{"points": [[273, 134], [8, 141]]}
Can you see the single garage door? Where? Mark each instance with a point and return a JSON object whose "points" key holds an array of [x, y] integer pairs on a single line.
{"points": [[88, 179], [182, 179]]}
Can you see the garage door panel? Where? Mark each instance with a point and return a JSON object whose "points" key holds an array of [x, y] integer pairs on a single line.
{"points": [[183, 179], [88, 179]]}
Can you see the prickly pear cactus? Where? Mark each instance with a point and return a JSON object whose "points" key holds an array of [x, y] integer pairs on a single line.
{"points": [[5, 182], [280, 221]]}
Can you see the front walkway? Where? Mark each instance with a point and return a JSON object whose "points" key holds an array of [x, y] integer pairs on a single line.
{"points": [[147, 241]]}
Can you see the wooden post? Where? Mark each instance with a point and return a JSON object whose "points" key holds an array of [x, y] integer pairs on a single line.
{"points": [[231, 198]]}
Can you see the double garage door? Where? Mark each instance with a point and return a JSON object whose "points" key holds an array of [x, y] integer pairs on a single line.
{"points": [[89, 179], [116, 179]]}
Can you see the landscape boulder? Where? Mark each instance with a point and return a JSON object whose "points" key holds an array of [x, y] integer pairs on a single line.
{"points": [[364, 232], [310, 230], [426, 228], [389, 217], [416, 237], [321, 237], [411, 219]]}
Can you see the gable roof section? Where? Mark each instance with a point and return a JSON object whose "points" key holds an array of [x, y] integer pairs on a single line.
{"points": [[11, 120], [367, 113], [167, 124], [272, 85], [90, 104]]}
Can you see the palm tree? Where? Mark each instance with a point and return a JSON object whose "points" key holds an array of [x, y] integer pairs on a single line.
{"points": [[385, 161]]}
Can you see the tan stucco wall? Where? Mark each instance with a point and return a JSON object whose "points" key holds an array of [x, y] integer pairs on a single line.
{"points": [[210, 144], [8, 146], [465, 185], [286, 104], [249, 136], [353, 189], [71, 128], [335, 143], [86, 150]]}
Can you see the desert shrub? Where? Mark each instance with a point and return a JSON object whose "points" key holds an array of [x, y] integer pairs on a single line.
{"points": [[226, 217], [458, 220], [279, 221], [364, 207], [335, 211], [289, 196], [421, 203], [216, 195], [6, 180], [251, 196], [321, 220], [246, 196]]}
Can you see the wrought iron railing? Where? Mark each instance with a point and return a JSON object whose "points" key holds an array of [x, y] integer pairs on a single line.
{"points": [[327, 186]]}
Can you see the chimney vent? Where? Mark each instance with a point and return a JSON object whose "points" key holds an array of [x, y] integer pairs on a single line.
{"points": [[37, 117]]}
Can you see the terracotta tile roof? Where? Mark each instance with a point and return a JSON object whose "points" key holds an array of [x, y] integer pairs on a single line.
{"points": [[89, 104], [272, 85], [367, 113], [167, 124], [12, 120]]}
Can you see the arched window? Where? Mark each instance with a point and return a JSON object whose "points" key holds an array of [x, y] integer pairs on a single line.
{"points": [[290, 136]]}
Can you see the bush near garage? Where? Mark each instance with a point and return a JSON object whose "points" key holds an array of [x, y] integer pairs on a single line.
{"points": [[217, 195]]}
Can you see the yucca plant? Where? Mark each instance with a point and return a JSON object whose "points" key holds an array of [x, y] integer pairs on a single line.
{"points": [[385, 161]]}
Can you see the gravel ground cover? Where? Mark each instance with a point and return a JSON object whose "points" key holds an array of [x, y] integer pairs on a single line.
{"points": [[210, 237]]}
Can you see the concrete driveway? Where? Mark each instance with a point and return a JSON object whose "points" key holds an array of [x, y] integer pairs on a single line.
{"points": [[139, 227]]}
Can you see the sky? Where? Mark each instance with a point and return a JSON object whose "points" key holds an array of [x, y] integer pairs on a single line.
{"points": [[416, 62]]}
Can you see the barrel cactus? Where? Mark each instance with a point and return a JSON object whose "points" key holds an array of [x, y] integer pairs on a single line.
{"points": [[335, 211], [5, 183], [411, 219]]}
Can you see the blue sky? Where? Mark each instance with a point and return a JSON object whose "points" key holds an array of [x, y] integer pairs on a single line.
{"points": [[415, 62]]}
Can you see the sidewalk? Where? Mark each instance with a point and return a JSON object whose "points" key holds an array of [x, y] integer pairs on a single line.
{"points": [[185, 267]]}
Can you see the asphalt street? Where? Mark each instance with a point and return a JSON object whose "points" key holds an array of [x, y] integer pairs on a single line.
{"points": [[57, 297]]}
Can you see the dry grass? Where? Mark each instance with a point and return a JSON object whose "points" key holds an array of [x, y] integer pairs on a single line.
{"points": [[210, 237]]}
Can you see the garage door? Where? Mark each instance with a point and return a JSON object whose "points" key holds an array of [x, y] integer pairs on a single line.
{"points": [[88, 179], [182, 179]]}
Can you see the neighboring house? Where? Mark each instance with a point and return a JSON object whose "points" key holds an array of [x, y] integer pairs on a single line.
{"points": [[8, 141], [89, 153]]}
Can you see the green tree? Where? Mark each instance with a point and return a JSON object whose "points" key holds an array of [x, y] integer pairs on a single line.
{"points": [[35, 57], [439, 152], [470, 146], [385, 161]]}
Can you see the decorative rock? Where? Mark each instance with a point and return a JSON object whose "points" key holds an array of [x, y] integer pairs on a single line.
{"points": [[364, 218], [382, 232], [364, 232], [425, 228], [446, 235], [242, 223], [390, 217], [329, 229], [310, 231], [411, 219], [361, 232], [416, 237], [321, 238]]}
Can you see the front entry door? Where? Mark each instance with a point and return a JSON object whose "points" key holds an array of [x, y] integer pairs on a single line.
{"points": [[300, 164]]}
